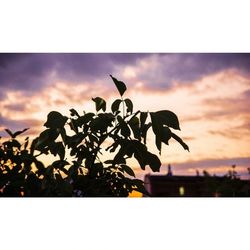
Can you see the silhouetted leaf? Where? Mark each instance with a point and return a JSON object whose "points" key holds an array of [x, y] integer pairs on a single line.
{"points": [[73, 141], [125, 131], [139, 186], [168, 118], [119, 85], [19, 132], [144, 132], [55, 120], [128, 170], [73, 112], [99, 103], [26, 142], [33, 145], [143, 117], [60, 150], [65, 171], [109, 162], [113, 147], [9, 132], [60, 164], [183, 144], [63, 135], [153, 161], [73, 125], [129, 105], [12, 144], [46, 137], [140, 151], [40, 167], [134, 124], [166, 135], [157, 129], [115, 105], [84, 119]]}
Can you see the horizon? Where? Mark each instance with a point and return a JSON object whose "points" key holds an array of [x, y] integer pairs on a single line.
{"points": [[210, 93]]}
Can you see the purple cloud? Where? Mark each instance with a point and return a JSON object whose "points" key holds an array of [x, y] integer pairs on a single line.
{"points": [[187, 67], [30, 72]]}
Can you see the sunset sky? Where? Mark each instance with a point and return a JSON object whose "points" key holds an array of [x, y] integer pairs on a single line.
{"points": [[210, 93]]}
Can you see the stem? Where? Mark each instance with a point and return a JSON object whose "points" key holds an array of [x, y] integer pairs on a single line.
{"points": [[123, 108]]}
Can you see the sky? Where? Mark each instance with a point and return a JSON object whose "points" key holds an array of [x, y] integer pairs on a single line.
{"points": [[210, 93]]}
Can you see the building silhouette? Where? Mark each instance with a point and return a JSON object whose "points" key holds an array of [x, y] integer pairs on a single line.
{"points": [[170, 185]]}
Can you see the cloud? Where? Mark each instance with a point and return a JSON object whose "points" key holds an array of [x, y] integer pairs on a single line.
{"points": [[214, 166], [31, 72], [16, 107], [238, 132], [163, 71]]}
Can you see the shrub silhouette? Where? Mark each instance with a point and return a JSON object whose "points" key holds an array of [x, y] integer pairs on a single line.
{"points": [[83, 138]]}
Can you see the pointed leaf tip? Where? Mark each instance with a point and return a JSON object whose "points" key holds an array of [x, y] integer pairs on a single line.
{"points": [[119, 85]]}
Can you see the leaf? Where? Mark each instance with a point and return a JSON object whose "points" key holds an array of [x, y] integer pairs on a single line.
{"points": [[73, 141], [19, 132], [125, 131], [99, 103], [63, 135], [140, 152], [84, 119], [73, 125], [99, 124], [115, 105], [9, 132], [119, 85], [140, 186], [166, 135], [73, 112], [113, 147], [40, 167], [183, 144], [55, 120], [33, 145], [162, 133], [45, 138], [134, 125], [141, 159], [157, 129], [109, 162], [143, 117], [60, 150], [60, 164], [144, 132], [168, 118], [128, 170], [129, 105], [26, 142], [15, 143], [153, 161]]}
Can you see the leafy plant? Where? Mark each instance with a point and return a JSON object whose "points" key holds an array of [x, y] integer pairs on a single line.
{"points": [[80, 142]]}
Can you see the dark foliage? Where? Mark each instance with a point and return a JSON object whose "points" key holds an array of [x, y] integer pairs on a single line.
{"points": [[84, 138]]}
